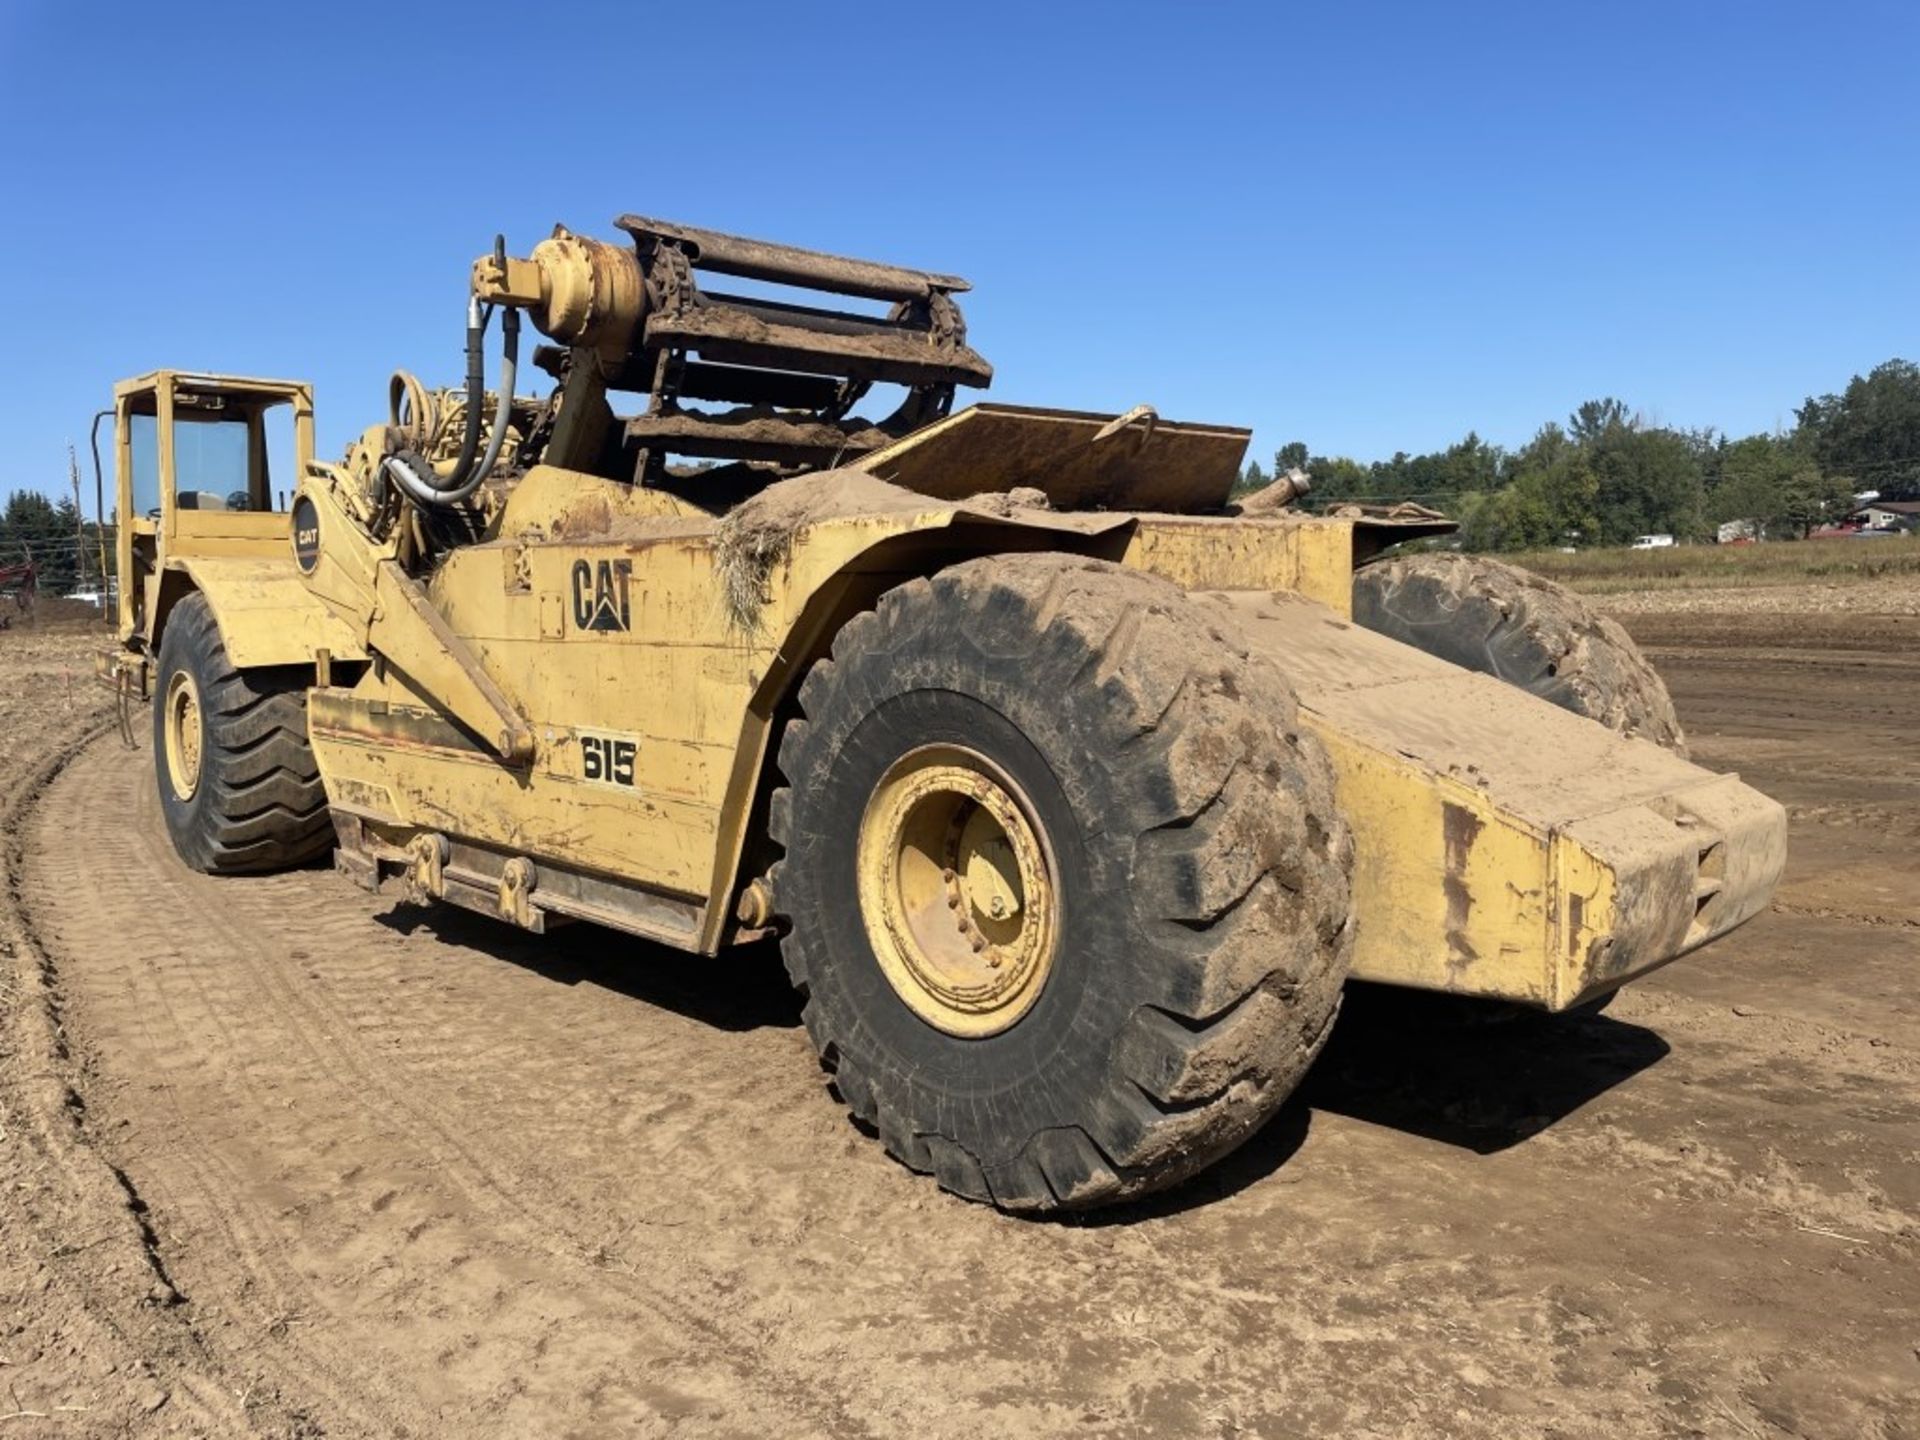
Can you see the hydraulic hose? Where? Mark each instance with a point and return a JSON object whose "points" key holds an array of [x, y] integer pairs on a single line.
{"points": [[100, 506], [503, 406], [418, 481], [99, 484], [477, 317]]}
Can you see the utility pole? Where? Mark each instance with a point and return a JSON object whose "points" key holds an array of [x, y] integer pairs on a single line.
{"points": [[79, 522]]}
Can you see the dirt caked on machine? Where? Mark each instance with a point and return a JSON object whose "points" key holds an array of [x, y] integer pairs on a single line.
{"points": [[1074, 791]]}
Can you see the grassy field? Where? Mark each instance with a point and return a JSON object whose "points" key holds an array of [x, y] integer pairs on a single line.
{"points": [[1688, 567]]}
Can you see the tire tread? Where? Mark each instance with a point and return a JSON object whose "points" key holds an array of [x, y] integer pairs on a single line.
{"points": [[1500, 620], [266, 807], [1241, 865]]}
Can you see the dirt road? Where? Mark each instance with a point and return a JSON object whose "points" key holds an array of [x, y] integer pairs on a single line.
{"points": [[293, 1160]]}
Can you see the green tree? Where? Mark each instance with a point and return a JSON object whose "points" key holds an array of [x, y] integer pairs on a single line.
{"points": [[1549, 443], [1750, 479], [1291, 456], [1649, 482], [29, 514], [1811, 498], [1597, 419], [1469, 465], [1871, 431], [1480, 524], [1475, 464], [1251, 479], [1336, 479], [1561, 477], [34, 527], [1516, 517]]}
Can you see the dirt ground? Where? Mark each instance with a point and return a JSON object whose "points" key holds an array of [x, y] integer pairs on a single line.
{"points": [[281, 1158]]}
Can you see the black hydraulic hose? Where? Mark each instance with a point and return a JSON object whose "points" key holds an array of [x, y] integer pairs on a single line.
{"points": [[99, 503], [477, 318], [99, 486], [503, 406], [419, 483]]}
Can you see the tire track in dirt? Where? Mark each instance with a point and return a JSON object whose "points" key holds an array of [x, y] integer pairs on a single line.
{"points": [[209, 995], [470, 1181], [73, 1200], [190, 1190]]}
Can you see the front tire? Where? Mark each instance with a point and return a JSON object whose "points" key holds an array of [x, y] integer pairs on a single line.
{"points": [[238, 783], [1503, 621], [1066, 885]]}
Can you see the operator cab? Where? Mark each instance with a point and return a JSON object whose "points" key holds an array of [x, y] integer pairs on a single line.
{"points": [[205, 465]]}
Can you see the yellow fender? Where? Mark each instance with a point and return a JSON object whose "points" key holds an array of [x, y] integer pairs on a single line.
{"points": [[266, 613]]}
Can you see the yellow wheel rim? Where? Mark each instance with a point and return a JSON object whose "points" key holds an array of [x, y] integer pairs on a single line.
{"points": [[957, 891], [183, 734]]}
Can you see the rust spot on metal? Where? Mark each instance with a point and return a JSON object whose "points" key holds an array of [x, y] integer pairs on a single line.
{"points": [[591, 515], [1461, 828]]}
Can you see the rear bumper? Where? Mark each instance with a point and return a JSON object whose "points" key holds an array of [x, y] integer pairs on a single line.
{"points": [[1646, 884], [1504, 847]]}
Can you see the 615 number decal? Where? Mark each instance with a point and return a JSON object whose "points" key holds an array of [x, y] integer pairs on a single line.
{"points": [[608, 759]]}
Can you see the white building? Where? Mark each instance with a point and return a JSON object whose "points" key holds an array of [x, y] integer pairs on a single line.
{"points": [[1889, 514]]}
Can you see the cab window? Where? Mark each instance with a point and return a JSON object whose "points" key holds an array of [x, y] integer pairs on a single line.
{"points": [[277, 439], [144, 444], [231, 454], [210, 463]]}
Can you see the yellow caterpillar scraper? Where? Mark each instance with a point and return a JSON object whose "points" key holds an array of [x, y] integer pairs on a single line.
{"points": [[1073, 792]]}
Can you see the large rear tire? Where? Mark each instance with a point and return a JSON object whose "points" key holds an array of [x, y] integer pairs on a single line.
{"points": [[1501, 620], [1066, 884], [238, 783]]}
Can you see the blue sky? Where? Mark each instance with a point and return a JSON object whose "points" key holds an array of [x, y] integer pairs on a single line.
{"points": [[1368, 226]]}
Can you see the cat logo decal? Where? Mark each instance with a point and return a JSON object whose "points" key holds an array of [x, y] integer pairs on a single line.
{"points": [[601, 599]]}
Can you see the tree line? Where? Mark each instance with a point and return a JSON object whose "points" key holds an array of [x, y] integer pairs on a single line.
{"points": [[64, 549], [1606, 475]]}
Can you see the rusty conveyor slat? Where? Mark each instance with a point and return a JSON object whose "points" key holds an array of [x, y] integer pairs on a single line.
{"points": [[790, 265]]}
